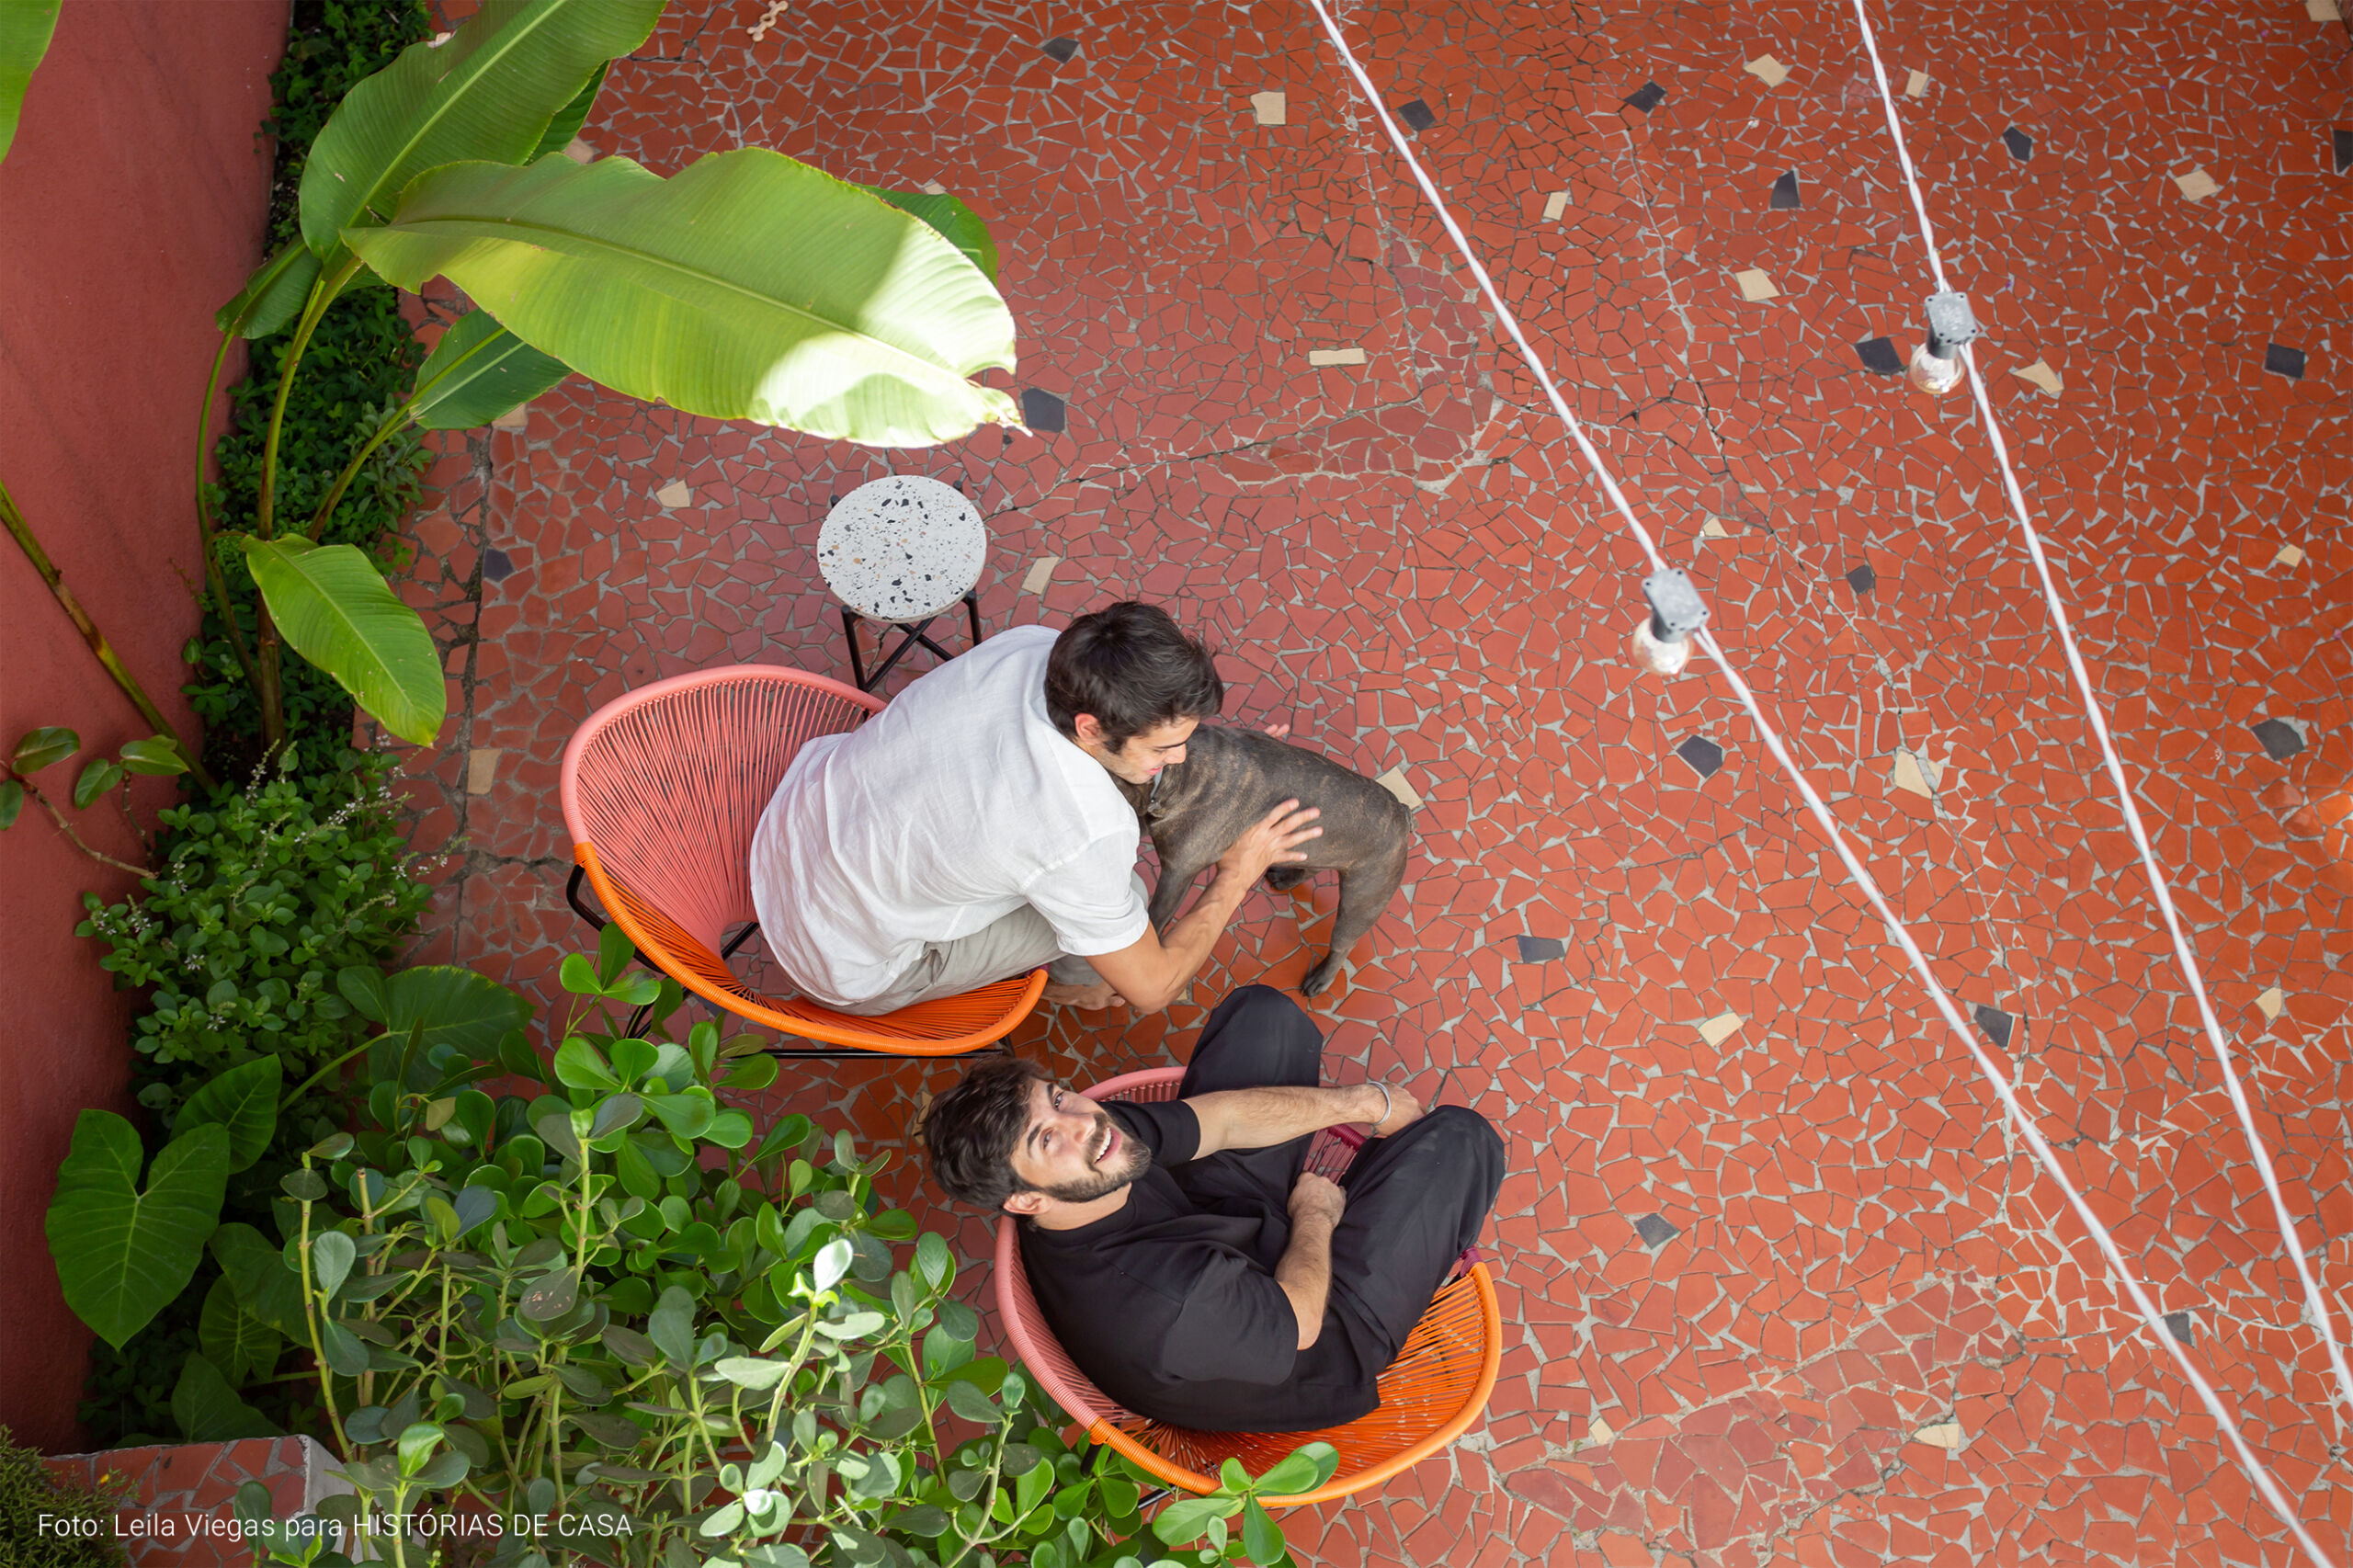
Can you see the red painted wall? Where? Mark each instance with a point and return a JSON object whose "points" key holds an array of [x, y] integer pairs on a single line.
{"points": [[131, 205]]}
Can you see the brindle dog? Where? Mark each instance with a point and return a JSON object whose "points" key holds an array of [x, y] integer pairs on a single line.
{"points": [[1231, 777]]}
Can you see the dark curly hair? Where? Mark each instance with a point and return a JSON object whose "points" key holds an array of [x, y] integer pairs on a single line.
{"points": [[972, 1130], [1134, 669]]}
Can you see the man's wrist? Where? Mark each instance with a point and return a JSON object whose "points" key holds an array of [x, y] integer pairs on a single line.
{"points": [[1375, 1102]]}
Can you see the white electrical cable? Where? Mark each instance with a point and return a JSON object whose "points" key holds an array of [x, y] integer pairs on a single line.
{"points": [[2315, 1303], [2016, 1112]]}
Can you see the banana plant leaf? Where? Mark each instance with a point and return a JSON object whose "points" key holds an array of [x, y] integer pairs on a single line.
{"points": [[26, 27], [273, 295], [477, 371], [570, 118], [335, 610], [956, 223], [750, 287], [489, 90]]}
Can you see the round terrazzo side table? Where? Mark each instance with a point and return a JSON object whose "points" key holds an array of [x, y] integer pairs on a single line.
{"points": [[901, 550]]}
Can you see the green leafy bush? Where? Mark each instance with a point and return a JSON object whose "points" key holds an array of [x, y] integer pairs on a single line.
{"points": [[42, 1522], [617, 1308], [266, 895]]}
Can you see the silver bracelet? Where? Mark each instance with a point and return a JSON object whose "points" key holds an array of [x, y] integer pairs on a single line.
{"points": [[1387, 1104]]}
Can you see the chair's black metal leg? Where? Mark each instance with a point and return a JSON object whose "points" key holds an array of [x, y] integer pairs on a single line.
{"points": [[919, 637], [972, 608], [572, 896], [739, 939], [900, 652]]}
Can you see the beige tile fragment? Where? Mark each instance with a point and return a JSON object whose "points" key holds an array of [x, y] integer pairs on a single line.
{"points": [[481, 768], [1554, 205], [1272, 108], [2290, 555], [1912, 776], [1599, 1431], [1755, 285], [1714, 529], [2197, 184], [579, 151], [1767, 70], [1721, 1027], [515, 418], [2324, 10], [1945, 1434], [1916, 86], [932, 187], [674, 495], [2041, 375], [2273, 1002], [1394, 781], [1320, 358], [1042, 572]]}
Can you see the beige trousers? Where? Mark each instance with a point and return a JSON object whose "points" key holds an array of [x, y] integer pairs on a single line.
{"points": [[1017, 943]]}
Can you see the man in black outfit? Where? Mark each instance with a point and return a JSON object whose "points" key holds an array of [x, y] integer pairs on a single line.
{"points": [[1180, 1254]]}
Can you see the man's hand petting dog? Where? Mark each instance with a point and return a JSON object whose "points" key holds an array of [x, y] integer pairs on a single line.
{"points": [[1316, 1197], [1273, 840]]}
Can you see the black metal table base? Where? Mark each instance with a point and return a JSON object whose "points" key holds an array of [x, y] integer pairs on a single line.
{"points": [[638, 1020], [913, 634]]}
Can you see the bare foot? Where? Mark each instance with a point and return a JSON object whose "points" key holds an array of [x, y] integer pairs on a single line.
{"points": [[1086, 999]]}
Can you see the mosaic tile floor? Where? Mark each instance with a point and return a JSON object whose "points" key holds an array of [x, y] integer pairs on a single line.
{"points": [[1778, 1286]]}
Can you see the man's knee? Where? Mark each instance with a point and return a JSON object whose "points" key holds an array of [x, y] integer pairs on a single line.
{"points": [[1268, 1029], [1467, 1139]]}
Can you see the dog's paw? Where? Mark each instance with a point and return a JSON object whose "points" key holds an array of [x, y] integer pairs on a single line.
{"points": [[1282, 879], [1321, 976]]}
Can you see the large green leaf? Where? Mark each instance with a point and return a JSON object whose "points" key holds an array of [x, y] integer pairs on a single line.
{"points": [[477, 372], [266, 1289], [490, 90], [569, 119], [25, 29], [273, 295], [956, 223], [241, 1346], [749, 286], [243, 1100], [453, 1006], [335, 610], [123, 1253], [209, 1410]]}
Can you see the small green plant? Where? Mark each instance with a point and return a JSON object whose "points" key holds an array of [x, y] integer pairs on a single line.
{"points": [[37, 751], [631, 1329], [47, 1524], [267, 894]]}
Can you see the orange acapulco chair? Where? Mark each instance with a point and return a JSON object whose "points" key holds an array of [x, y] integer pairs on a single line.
{"points": [[662, 789], [1433, 1393]]}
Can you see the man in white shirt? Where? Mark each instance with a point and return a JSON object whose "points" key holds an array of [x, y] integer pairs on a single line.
{"points": [[972, 830]]}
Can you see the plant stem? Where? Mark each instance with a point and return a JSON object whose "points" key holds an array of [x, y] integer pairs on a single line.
{"points": [[66, 828], [323, 294], [322, 1072], [311, 1323], [213, 576], [21, 531]]}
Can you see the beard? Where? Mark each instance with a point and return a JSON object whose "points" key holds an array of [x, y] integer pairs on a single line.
{"points": [[1131, 1162]]}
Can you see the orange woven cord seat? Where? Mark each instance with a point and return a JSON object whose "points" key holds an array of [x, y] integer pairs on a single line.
{"points": [[661, 790], [1430, 1397]]}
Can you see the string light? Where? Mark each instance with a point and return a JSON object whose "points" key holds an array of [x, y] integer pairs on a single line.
{"points": [[1936, 367], [1662, 640]]}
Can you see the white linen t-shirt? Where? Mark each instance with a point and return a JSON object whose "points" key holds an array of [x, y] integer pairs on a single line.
{"points": [[944, 812]]}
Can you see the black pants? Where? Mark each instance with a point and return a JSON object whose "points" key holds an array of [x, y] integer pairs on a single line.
{"points": [[1415, 1199]]}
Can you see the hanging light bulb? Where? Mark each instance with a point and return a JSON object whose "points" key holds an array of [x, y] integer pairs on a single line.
{"points": [[1662, 640], [1936, 365]]}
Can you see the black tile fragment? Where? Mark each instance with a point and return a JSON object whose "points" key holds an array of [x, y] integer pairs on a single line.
{"points": [[2341, 143], [1416, 114], [1785, 193], [496, 565], [1704, 755], [1062, 48], [1878, 357], [2021, 145], [1043, 410], [2283, 360], [2279, 739], [1655, 1232], [1646, 97], [1996, 1024], [2179, 1326], [1862, 579], [1541, 950]]}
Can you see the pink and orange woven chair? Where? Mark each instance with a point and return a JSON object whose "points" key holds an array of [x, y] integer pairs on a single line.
{"points": [[662, 789], [1437, 1388]]}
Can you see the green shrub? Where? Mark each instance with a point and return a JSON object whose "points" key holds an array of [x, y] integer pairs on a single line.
{"points": [[29, 1494], [267, 894]]}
